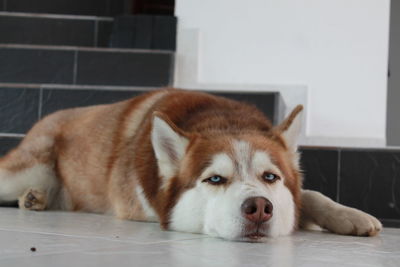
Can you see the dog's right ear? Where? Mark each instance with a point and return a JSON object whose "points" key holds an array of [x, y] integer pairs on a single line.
{"points": [[290, 128], [169, 144]]}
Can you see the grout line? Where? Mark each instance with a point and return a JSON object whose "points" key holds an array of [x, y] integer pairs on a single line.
{"points": [[107, 238], [171, 73], [20, 85], [96, 33], [338, 176], [40, 103], [89, 49], [11, 135], [75, 69], [50, 16], [79, 87]]}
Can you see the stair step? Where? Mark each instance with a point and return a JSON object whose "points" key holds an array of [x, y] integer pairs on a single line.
{"points": [[23, 104], [46, 29], [72, 7], [87, 66]]}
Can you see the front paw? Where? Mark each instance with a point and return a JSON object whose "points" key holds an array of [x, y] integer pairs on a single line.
{"points": [[349, 221]]}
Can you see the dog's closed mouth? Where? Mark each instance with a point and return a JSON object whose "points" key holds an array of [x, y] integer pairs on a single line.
{"points": [[255, 236]]}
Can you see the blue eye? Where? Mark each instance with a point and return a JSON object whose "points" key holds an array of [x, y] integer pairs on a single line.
{"points": [[216, 180], [270, 177]]}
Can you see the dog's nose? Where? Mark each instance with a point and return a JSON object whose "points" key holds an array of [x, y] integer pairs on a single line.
{"points": [[257, 209]]}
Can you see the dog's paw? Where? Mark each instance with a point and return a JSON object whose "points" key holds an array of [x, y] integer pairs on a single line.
{"points": [[33, 200], [349, 221]]}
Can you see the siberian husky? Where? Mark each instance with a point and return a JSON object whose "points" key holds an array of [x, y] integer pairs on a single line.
{"points": [[192, 161]]}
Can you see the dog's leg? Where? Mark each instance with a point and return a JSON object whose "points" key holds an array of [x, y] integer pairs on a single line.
{"points": [[321, 210], [27, 176]]}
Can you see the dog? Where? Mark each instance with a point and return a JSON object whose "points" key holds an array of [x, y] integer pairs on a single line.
{"points": [[192, 161]]}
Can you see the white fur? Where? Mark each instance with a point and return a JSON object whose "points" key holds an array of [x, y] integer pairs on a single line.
{"points": [[188, 214], [216, 210], [165, 142], [14, 184], [221, 164], [147, 209], [242, 156], [261, 159]]}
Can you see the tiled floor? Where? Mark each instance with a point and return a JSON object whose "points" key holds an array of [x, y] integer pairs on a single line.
{"points": [[72, 239]]}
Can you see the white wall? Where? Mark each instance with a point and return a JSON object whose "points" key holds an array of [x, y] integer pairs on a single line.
{"points": [[337, 49]]}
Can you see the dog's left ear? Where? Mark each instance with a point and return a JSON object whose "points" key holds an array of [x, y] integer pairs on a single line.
{"points": [[169, 144], [290, 128]]}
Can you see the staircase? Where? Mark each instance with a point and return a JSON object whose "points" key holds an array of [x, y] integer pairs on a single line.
{"points": [[58, 54]]}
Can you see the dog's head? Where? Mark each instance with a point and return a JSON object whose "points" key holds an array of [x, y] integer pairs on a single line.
{"points": [[242, 186]]}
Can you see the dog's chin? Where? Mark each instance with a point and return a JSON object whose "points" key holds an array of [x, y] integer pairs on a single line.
{"points": [[254, 237]]}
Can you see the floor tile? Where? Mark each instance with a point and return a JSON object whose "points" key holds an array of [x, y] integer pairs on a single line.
{"points": [[78, 239], [86, 225]]}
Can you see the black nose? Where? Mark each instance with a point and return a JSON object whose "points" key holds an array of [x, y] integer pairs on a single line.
{"points": [[257, 209]]}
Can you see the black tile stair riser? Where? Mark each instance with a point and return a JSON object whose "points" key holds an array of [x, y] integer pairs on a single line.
{"points": [[144, 31], [19, 109], [370, 181], [320, 170], [57, 99], [263, 101], [124, 69], [47, 31], [390, 223], [132, 32], [164, 33], [7, 144], [36, 66], [2, 5], [104, 29], [70, 7], [33, 65]]}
